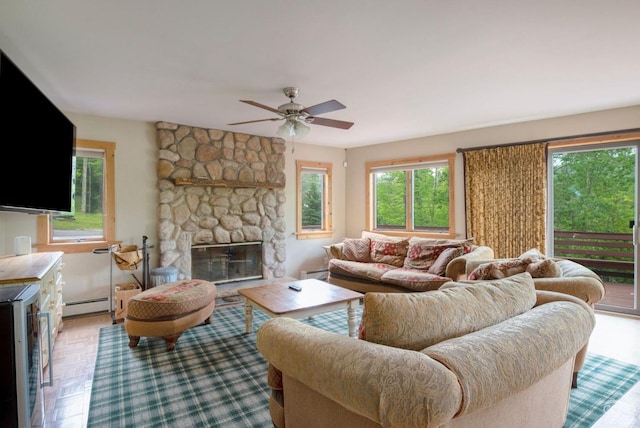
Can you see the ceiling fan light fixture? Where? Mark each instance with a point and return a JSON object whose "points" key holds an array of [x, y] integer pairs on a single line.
{"points": [[286, 130], [301, 130]]}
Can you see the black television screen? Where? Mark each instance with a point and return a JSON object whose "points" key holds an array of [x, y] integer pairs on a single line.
{"points": [[38, 143]]}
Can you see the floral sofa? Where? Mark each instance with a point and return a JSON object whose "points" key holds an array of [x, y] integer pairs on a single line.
{"points": [[377, 262], [483, 354]]}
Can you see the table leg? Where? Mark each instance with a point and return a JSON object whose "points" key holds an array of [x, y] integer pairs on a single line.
{"points": [[248, 316], [351, 317]]}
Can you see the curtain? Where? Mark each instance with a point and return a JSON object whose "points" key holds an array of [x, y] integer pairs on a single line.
{"points": [[506, 197]]}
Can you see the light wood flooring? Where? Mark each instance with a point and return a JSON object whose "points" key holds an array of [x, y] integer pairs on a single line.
{"points": [[67, 402]]}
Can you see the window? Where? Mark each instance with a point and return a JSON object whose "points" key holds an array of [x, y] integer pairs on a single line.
{"points": [[91, 224], [412, 196], [314, 217]]}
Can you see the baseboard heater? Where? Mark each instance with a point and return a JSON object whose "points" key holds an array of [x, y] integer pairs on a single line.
{"points": [[87, 306], [84, 302], [320, 274]]}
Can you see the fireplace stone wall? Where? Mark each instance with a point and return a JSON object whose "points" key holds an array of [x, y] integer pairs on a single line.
{"points": [[219, 187]]}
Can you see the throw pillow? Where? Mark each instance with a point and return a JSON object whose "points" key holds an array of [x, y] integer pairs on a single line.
{"points": [[439, 267], [499, 269], [391, 253], [381, 237], [546, 268], [356, 250], [423, 252], [534, 254]]}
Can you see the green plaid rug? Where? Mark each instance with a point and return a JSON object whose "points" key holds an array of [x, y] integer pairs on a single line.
{"points": [[601, 382], [216, 378]]}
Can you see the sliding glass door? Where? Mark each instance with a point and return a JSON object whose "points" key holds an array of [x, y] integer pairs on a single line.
{"points": [[593, 215]]}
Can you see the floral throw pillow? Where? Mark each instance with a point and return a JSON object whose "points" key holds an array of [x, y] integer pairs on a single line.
{"points": [[356, 250], [391, 253], [439, 267], [424, 256]]}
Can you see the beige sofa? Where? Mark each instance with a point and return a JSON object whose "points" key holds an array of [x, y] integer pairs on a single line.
{"points": [[391, 264], [488, 354], [564, 276]]}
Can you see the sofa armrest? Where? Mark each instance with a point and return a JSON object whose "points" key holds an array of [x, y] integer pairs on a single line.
{"points": [[333, 251], [457, 268], [585, 288], [390, 386]]}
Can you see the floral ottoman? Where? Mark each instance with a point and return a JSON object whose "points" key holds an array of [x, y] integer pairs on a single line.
{"points": [[168, 310]]}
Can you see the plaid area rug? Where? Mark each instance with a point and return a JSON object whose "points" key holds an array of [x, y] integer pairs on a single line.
{"points": [[216, 378], [601, 382]]}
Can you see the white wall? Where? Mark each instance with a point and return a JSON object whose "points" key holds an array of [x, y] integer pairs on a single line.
{"points": [[307, 254], [87, 275], [605, 121]]}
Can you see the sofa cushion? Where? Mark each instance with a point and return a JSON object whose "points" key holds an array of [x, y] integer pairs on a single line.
{"points": [[357, 250], [370, 271], [414, 279], [418, 320], [423, 252], [391, 253]]}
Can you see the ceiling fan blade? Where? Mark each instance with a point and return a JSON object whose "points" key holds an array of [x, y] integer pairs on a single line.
{"points": [[331, 122], [253, 103], [325, 107], [254, 121]]}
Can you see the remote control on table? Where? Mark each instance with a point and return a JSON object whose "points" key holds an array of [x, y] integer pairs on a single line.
{"points": [[295, 287]]}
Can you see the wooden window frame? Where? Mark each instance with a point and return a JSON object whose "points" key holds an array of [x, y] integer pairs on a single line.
{"points": [[45, 241], [370, 167], [327, 230]]}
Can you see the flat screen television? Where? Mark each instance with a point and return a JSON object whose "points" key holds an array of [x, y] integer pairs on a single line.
{"points": [[37, 142]]}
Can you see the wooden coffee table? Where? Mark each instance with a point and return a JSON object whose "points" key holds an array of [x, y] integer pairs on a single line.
{"points": [[316, 297]]}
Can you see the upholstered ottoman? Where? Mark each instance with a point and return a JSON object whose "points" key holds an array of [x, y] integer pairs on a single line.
{"points": [[169, 309]]}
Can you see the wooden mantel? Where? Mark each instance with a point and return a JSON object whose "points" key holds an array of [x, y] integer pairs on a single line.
{"points": [[223, 183]]}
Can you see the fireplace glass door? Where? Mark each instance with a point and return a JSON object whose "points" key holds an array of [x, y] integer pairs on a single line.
{"points": [[222, 263]]}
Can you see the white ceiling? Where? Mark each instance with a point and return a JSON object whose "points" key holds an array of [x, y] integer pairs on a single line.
{"points": [[404, 69]]}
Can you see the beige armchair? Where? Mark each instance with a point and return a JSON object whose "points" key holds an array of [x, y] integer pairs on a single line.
{"points": [[575, 280]]}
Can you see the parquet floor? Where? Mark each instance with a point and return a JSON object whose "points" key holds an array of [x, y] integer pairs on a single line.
{"points": [[67, 402]]}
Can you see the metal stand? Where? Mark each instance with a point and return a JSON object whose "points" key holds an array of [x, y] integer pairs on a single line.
{"points": [[109, 250], [145, 272], [145, 263]]}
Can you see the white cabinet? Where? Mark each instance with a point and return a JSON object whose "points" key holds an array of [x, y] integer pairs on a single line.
{"points": [[45, 269], [51, 291]]}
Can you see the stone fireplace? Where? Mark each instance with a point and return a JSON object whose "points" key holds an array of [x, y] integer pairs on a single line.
{"points": [[219, 187]]}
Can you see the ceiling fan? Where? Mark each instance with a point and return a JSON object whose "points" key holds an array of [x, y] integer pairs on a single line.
{"points": [[297, 116]]}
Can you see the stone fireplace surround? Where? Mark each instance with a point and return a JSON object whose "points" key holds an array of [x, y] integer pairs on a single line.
{"points": [[219, 187]]}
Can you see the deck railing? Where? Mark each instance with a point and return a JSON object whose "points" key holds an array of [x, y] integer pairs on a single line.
{"points": [[610, 255]]}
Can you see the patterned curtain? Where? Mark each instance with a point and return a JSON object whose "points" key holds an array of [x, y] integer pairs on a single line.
{"points": [[506, 197]]}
